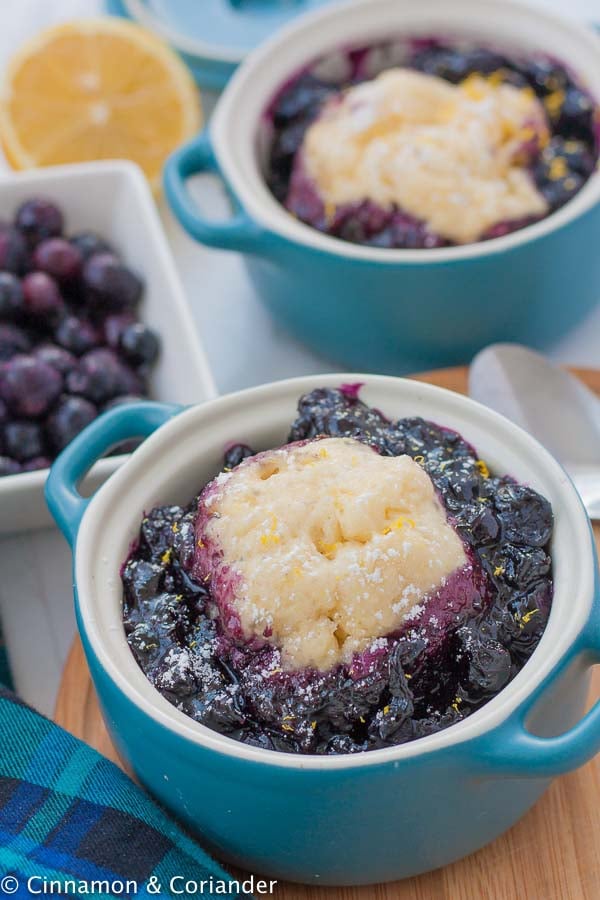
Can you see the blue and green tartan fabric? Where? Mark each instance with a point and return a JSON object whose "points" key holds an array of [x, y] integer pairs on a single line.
{"points": [[69, 814]]}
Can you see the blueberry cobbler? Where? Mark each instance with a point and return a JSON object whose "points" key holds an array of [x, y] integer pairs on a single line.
{"points": [[421, 144], [366, 584]]}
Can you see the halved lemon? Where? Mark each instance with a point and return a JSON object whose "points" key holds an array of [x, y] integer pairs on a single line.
{"points": [[96, 89]]}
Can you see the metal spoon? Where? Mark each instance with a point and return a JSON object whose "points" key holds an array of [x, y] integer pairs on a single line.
{"points": [[549, 403]]}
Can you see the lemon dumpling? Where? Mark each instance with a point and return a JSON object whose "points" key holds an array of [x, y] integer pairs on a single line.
{"points": [[319, 548], [455, 156]]}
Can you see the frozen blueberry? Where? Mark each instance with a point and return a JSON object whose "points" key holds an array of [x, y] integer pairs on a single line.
{"points": [[13, 340], [101, 375], [4, 415], [114, 326], [38, 219], [122, 400], [88, 242], [55, 356], [13, 250], [42, 297], [109, 285], [11, 296], [139, 344], [69, 417], [76, 335], [8, 466], [59, 258], [37, 463], [23, 440], [29, 386]]}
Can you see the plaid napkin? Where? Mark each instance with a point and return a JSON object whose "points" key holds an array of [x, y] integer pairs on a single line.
{"points": [[68, 814]]}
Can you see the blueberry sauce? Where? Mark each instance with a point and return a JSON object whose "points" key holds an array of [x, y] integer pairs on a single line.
{"points": [[476, 634], [559, 169]]}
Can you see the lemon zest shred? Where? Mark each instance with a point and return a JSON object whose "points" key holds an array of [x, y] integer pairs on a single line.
{"points": [[483, 469]]}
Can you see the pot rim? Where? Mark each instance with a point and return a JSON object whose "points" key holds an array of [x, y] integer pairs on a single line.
{"points": [[242, 106], [573, 556]]}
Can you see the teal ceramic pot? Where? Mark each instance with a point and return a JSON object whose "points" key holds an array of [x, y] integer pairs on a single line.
{"points": [[394, 310], [213, 36], [347, 819]]}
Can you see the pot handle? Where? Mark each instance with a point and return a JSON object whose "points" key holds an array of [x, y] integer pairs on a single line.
{"points": [[120, 424], [511, 749], [240, 232]]}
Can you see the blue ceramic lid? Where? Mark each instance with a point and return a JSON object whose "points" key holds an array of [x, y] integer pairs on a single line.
{"points": [[213, 36]]}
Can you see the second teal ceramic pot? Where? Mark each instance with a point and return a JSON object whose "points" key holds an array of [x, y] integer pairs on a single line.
{"points": [[347, 819], [395, 310]]}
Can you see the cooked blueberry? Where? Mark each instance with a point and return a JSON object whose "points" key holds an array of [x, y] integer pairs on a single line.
{"points": [[8, 466], [304, 97], [526, 515], [58, 258], [139, 344], [88, 242], [388, 721], [42, 298], [144, 641], [545, 76], [482, 524], [29, 386], [575, 116], [455, 65], [101, 376], [76, 335], [487, 663], [519, 566], [69, 417], [572, 155], [159, 527], [38, 219], [235, 454], [11, 297], [13, 341], [175, 673], [142, 580], [109, 285], [332, 412], [23, 440], [13, 250]]}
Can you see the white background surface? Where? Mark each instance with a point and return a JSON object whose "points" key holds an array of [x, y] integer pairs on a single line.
{"points": [[244, 348]]}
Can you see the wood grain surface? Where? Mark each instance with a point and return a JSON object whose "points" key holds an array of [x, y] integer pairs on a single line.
{"points": [[553, 853]]}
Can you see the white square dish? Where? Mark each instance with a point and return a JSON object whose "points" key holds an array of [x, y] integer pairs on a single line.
{"points": [[113, 199]]}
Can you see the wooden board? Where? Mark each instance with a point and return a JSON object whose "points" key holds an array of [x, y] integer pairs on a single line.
{"points": [[551, 854]]}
